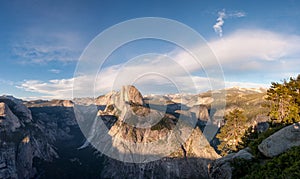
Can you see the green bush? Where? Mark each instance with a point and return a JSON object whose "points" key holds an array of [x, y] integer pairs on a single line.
{"points": [[286, 165]]}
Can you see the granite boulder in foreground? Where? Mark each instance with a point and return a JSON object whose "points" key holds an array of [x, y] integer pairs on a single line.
{"points": [[281, 141]]}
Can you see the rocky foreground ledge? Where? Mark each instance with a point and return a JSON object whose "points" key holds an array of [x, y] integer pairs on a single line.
{"points": [[276, 144]]}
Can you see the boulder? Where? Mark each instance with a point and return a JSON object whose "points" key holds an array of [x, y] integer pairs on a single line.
{"points": [[221, 168], [281, 141]]}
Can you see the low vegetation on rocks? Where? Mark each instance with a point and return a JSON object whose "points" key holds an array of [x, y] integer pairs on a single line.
{"points": [[283, 103]]}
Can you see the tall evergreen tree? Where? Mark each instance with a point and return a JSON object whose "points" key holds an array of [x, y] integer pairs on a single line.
{"points": [[231, 133], [285, 101]]}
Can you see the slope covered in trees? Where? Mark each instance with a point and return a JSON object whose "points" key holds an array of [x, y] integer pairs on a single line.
{"points": [[284, 109]]}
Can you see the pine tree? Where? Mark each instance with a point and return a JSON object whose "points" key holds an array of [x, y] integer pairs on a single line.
{"points": [[231, 133], [285, 101]]}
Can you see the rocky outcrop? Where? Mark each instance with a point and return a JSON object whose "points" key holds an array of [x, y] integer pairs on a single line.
{"points": [[201, 112], [221, 168], [135, 126], [20, 141], [8, 121], [30, 148], [189, 161], [281, 141], [106, 99], [18, 108], [132, 95], [198, 146]]}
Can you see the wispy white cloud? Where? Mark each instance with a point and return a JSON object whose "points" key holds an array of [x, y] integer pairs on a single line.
{"points": [[38, 47], [237, 14], [58, 88], [222, 15], [43, 53], [56, 71], [220, 22], [243, 45]]}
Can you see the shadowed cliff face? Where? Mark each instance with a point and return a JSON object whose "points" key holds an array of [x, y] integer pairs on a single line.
{"points": [[21, 141], [189, 159]]}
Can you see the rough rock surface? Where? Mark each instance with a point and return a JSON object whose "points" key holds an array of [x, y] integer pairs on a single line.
{"points": [[198, 146], [221, 168], [20, 144], [189, 160], [164, 168], [132, 95], [8, 166], [105, 99], [8, 121], [201, 112], [281, 141], [18, 108]]}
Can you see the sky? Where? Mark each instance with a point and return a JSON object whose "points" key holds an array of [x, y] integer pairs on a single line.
{"points": [[255, 42]]}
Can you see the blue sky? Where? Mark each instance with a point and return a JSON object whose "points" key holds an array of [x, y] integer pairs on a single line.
{"points": [[41, 41]]}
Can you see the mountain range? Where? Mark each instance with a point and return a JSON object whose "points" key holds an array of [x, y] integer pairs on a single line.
{"points": [[57, 139]]}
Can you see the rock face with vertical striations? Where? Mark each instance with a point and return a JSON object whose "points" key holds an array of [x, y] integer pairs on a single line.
{"points": [[189, 160]]}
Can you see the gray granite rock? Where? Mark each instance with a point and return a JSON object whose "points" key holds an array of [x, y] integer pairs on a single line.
{"points": [[281, 141]]}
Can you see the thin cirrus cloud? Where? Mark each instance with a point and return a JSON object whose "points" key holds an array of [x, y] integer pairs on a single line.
{"points": [[42, 54], [42, 48], [241, 48], [55, 71], [6, 82], [222, 15]]}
